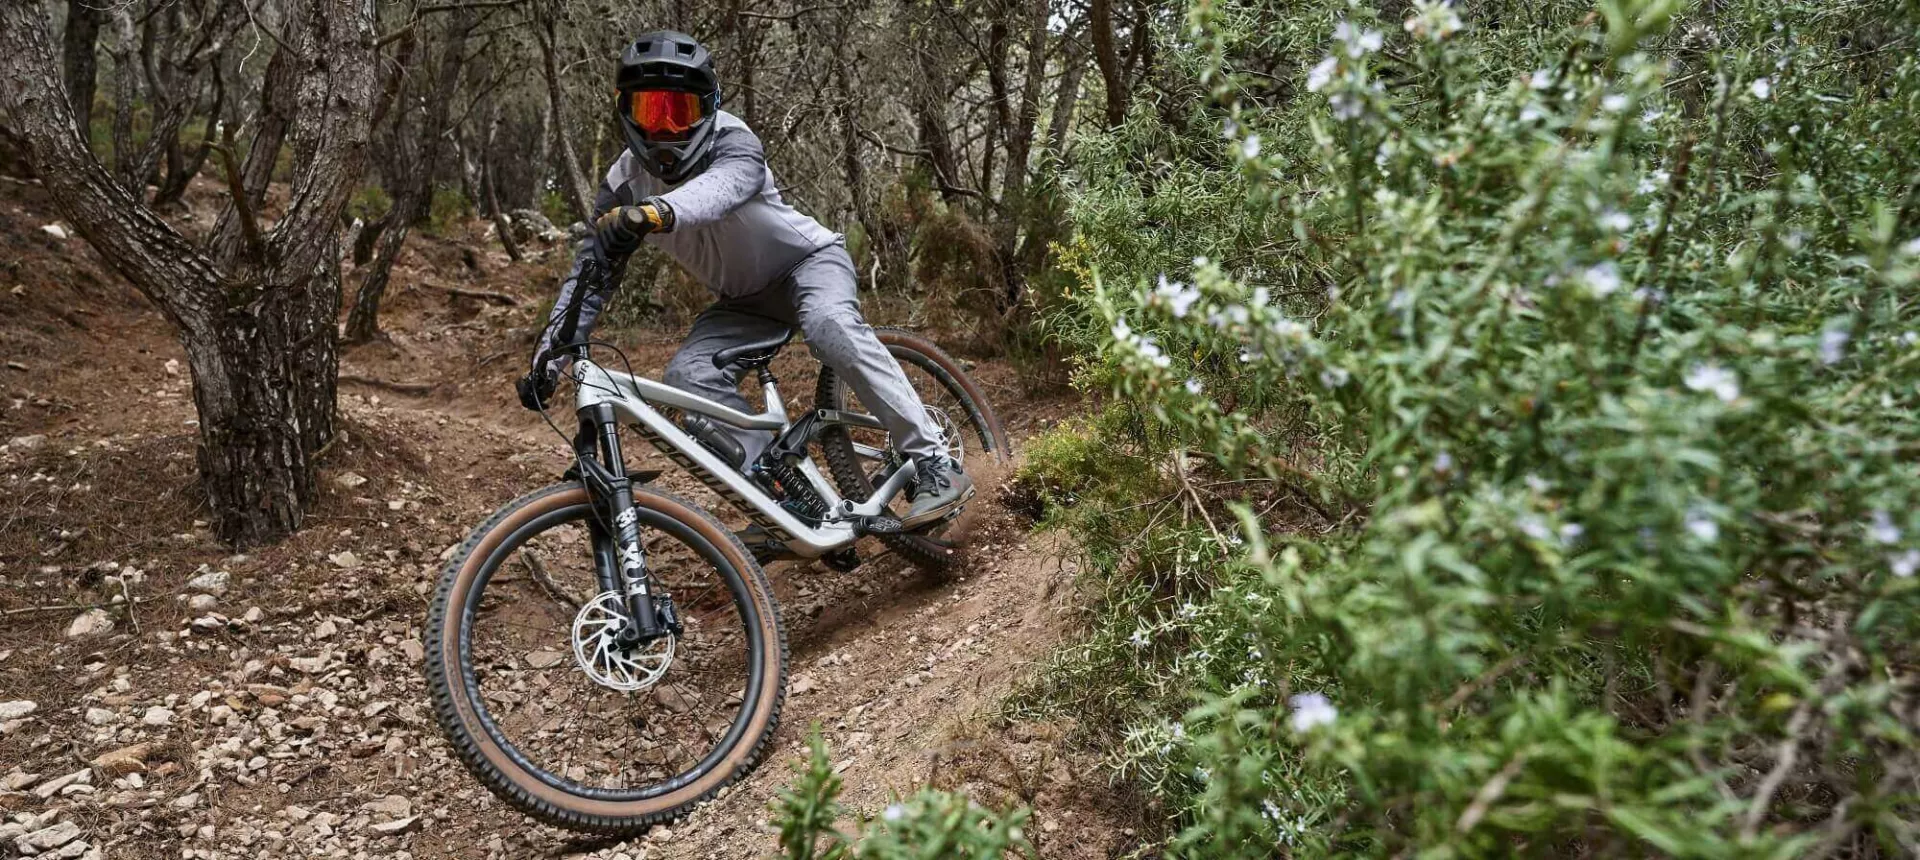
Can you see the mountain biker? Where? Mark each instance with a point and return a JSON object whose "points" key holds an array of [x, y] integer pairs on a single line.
{"points": [[694, 182]]}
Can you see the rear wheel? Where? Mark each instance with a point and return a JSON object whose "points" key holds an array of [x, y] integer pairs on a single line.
{"points": [[556, 720], [859, 458]]}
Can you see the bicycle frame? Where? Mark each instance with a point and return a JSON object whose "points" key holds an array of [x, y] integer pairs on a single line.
{"points": [[630, 399]]}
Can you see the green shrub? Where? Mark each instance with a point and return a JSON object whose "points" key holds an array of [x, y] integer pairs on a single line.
{"points": [[446, 210], [1559, 373], [931, 825], [368, 203]]}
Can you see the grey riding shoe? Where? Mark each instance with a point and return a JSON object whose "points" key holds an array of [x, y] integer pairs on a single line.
{"points": [[938, 487]]}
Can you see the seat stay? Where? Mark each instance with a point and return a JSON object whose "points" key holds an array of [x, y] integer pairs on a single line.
{"points": [[630, 397]]}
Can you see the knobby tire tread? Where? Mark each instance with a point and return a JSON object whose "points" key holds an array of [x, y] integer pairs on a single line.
{"points": [[837, 445], [503, 785]]}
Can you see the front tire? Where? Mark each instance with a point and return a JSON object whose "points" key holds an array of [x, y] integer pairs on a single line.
{"points": [[538, 733]]}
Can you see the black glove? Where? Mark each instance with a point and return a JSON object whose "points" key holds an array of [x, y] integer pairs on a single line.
{"points": [[536, 388], [620, 230]]}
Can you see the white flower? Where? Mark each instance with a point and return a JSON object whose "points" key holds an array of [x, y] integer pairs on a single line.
{"points": [[894, 813], [1122, 332], [1321, 75], [1442, 463], [1435, 21], [1310, 711], [1905, 563], [1702, 526], [1139, 638], [1188, 611], [1193, 387], [1347, 106], [1833, 345], [1537, 483], [1230, 129], [1602, 278], [1911, 248], [1650, 116], [1179, 297], [1541, 79], [1614, 103], [1359, 42], [1288, 329], [1271, 811], [1250, 148], [1571, 532], [1761, 88], [1883, 531], [1533, 526], [1615, 220], [1334, 377], [1712, 377]]}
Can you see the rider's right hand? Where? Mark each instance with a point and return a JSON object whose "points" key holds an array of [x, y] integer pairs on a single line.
{"points": [[536, 388]]}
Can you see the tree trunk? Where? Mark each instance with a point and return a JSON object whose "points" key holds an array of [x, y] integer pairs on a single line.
{"points": [[415, 201], [543, 163], [501, 224], [1001, 114], [1100, 24], [124, 46], [181, 175], [276, 114], [579, 192], [79, 59], [930, 114], [258, 326]]}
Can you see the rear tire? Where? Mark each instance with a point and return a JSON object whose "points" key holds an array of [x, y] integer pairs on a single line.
{"points": [[517, 770], [982, 436]]}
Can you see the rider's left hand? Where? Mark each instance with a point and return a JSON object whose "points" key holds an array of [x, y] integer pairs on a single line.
{"points": [[621, 228]]}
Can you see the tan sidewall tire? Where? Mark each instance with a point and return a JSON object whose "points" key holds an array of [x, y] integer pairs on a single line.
{"points": [[512, 781]]}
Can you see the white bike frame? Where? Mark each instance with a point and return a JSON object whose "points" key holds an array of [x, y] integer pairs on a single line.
{"points": [[632, 398]]}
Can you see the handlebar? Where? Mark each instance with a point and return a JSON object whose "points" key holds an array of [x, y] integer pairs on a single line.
{"points": [[593, 276]]}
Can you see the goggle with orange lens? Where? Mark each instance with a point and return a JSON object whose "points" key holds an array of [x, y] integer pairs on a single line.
{"points": [[665, 112]]}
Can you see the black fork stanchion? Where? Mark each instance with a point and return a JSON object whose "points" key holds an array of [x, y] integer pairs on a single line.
{"points": [[619, 560]]}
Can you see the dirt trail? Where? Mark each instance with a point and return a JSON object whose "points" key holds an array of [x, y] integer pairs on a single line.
{"points": [[271, 704]]}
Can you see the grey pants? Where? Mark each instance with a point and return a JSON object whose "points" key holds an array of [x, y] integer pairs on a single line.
{"points": [[818, 296]]}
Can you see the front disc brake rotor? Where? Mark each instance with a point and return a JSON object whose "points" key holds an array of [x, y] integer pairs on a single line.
{"points": [[597, 649]]}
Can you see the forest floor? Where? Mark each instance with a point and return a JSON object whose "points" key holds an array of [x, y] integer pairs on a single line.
{"points": [[271, 703]]}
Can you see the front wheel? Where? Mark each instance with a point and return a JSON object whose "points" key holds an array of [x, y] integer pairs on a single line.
{"points": [[562, 722], [858, 457]]}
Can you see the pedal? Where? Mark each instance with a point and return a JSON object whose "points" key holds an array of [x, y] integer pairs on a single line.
{"points": [[844, 559], [880, 524], [921, 530]]}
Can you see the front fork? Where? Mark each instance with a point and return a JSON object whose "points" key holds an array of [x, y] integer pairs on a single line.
{"points": [[619, 563]]}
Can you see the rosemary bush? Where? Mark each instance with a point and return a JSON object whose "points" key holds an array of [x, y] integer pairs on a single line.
{"points": [[930, 825], [1525, 462]]}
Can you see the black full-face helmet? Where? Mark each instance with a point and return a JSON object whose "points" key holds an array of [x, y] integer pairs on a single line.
{"points": [[669, 97]]}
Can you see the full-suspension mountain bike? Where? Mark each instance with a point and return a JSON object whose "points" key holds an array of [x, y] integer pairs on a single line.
{"points": [[605, 655]]}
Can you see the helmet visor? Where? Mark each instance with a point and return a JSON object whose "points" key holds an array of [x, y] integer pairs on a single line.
{"points": [[664, 114]]}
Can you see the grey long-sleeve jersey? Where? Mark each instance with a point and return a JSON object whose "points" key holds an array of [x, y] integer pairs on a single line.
{"points": [[731, 230]]}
